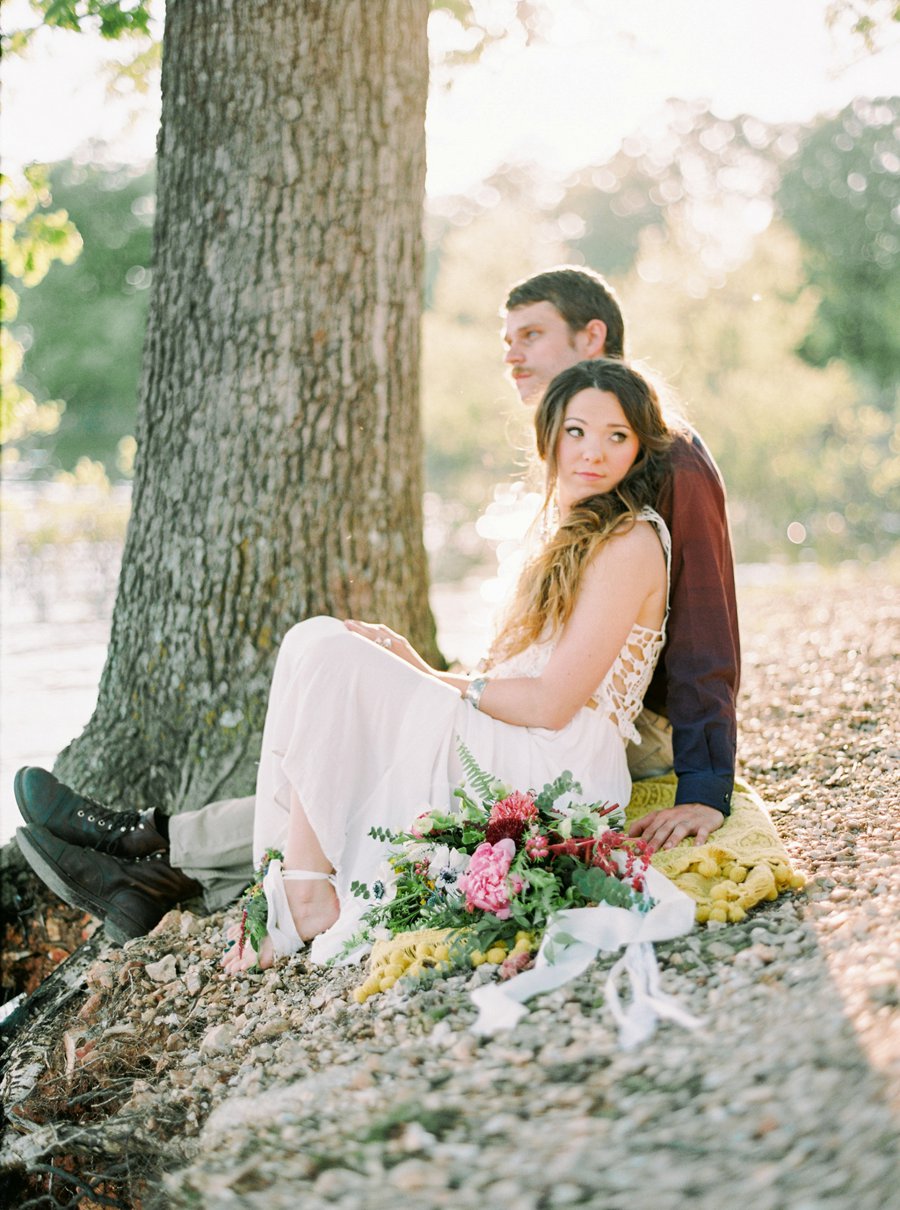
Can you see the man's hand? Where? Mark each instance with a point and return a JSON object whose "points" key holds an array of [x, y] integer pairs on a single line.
{"points": [[667, 828]]}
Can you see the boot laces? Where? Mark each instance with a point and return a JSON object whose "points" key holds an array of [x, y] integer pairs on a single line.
{"points": [[120, 821]]}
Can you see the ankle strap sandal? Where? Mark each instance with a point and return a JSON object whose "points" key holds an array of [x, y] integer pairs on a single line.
{"points": [[279, 921]]}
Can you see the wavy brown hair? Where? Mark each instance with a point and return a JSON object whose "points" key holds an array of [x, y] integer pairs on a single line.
{"points": [[547, 588], [579, 295]]}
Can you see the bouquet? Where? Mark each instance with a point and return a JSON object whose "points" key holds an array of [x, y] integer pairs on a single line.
{"points": [[504, 873], [494, 871]]}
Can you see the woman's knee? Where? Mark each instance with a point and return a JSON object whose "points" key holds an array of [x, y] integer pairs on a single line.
{"points": [[302, 640], [311, 629], [316, 640]]}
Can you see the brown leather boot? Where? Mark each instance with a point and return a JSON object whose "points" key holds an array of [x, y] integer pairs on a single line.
{"points": [[130, 896]]}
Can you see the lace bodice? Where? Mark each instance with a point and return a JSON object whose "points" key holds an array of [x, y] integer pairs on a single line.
{"points": [[620, 694]]}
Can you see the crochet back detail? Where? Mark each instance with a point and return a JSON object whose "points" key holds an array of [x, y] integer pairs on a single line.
{"points": [[620, 694]]}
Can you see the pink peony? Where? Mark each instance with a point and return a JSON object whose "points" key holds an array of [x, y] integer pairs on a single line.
{"points": [[486, 884]]}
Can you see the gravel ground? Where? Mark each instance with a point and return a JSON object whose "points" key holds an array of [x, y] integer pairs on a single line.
{"points": [[180, 1090]]}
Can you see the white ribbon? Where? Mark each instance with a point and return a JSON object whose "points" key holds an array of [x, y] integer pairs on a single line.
{"points": [[637, 1022], [279, 921], [571, 943]]}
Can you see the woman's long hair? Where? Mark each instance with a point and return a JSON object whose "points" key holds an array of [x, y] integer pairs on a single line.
{"points": [[549, 583]]}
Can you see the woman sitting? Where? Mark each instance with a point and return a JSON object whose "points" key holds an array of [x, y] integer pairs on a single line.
{"points": [[361, 733]]}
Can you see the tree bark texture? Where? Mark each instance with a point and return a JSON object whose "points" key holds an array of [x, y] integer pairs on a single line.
{"points": [[279, 457]]}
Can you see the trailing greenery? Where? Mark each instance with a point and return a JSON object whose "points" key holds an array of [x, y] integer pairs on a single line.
{"points": [[482, 783]]}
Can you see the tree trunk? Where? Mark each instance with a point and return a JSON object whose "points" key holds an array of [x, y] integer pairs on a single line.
{"points": [[279, 457]]}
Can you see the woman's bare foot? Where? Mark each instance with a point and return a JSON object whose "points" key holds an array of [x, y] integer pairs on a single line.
{"points": [[235, 962], [314, 908]]}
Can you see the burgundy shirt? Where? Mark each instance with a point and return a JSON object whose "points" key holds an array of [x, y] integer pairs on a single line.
{"points": [[696, 680]]}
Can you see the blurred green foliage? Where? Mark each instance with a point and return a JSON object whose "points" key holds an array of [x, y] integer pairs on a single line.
{"points": [[871, 21], [727, 300], [841, 194], [795, 443], [83, 325], [477, 25], [477, 433], [689, 167], [32, 237], [111, 18]]}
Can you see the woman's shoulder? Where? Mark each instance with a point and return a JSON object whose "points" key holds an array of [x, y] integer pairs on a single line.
{"points": [[628, 572], [634, 543]]}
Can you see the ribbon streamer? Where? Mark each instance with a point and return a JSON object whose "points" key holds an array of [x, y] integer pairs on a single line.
{"points": [[279, 921], [571, 943]]}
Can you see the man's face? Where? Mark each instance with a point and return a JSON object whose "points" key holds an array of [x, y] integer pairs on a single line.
{"points": [[539, 345]]}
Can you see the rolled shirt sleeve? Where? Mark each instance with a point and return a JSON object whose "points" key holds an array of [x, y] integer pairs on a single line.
{"points": [[696, 681]]}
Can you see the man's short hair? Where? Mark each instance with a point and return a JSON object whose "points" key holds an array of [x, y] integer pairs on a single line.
{"points": [[579, 295]]}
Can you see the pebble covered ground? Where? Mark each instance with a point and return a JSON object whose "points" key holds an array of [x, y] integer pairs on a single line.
{"points": [[164, 1085]]}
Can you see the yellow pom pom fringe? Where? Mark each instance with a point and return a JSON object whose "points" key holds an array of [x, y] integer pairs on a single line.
{"points": [[742, 864], [413, 953]]}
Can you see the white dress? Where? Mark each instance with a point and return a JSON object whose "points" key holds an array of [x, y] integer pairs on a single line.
{"points": [[367, 740]]}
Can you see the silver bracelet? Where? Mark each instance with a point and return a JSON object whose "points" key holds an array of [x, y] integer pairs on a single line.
{"points": [[474, 690]]}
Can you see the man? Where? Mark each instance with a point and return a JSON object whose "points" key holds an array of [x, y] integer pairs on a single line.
{"points": [[555, 320], [130, 868]]}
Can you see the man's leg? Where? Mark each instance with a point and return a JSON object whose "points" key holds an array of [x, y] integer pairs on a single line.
{"points": [[119, 865], [652, 757], [214, 846]]}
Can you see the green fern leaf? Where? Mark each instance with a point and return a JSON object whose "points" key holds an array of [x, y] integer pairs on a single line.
{"points": [[482, 783]]}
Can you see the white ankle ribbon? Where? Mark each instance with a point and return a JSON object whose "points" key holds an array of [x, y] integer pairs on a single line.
{"points": [[279, 921], [571, 943]]}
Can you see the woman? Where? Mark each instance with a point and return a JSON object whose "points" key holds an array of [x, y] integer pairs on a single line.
{"points": [[360, 732]]}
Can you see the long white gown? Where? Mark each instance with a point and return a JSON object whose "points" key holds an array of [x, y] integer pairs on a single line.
{"points": [[367, 740]]}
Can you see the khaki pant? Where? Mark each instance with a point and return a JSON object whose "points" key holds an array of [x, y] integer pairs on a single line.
{"points": [[652, 757], [215, 844]]}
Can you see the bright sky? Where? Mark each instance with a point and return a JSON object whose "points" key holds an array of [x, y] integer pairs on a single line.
{"points": [[603, 70]]}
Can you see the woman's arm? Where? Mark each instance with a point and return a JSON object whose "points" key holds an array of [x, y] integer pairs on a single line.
{"points": [[383, 636], [396, 644], [624, 583]]}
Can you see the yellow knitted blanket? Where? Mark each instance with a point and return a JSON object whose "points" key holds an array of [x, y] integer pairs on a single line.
{"points": [[743, 863]]}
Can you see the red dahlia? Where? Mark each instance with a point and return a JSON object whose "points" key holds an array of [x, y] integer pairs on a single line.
{"points": [[510, 817]]}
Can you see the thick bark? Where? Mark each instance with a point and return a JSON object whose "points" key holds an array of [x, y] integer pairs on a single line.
{"points": [[278, 472]]}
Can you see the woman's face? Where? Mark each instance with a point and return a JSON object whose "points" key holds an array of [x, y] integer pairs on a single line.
{"points": [[595, 449]]}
